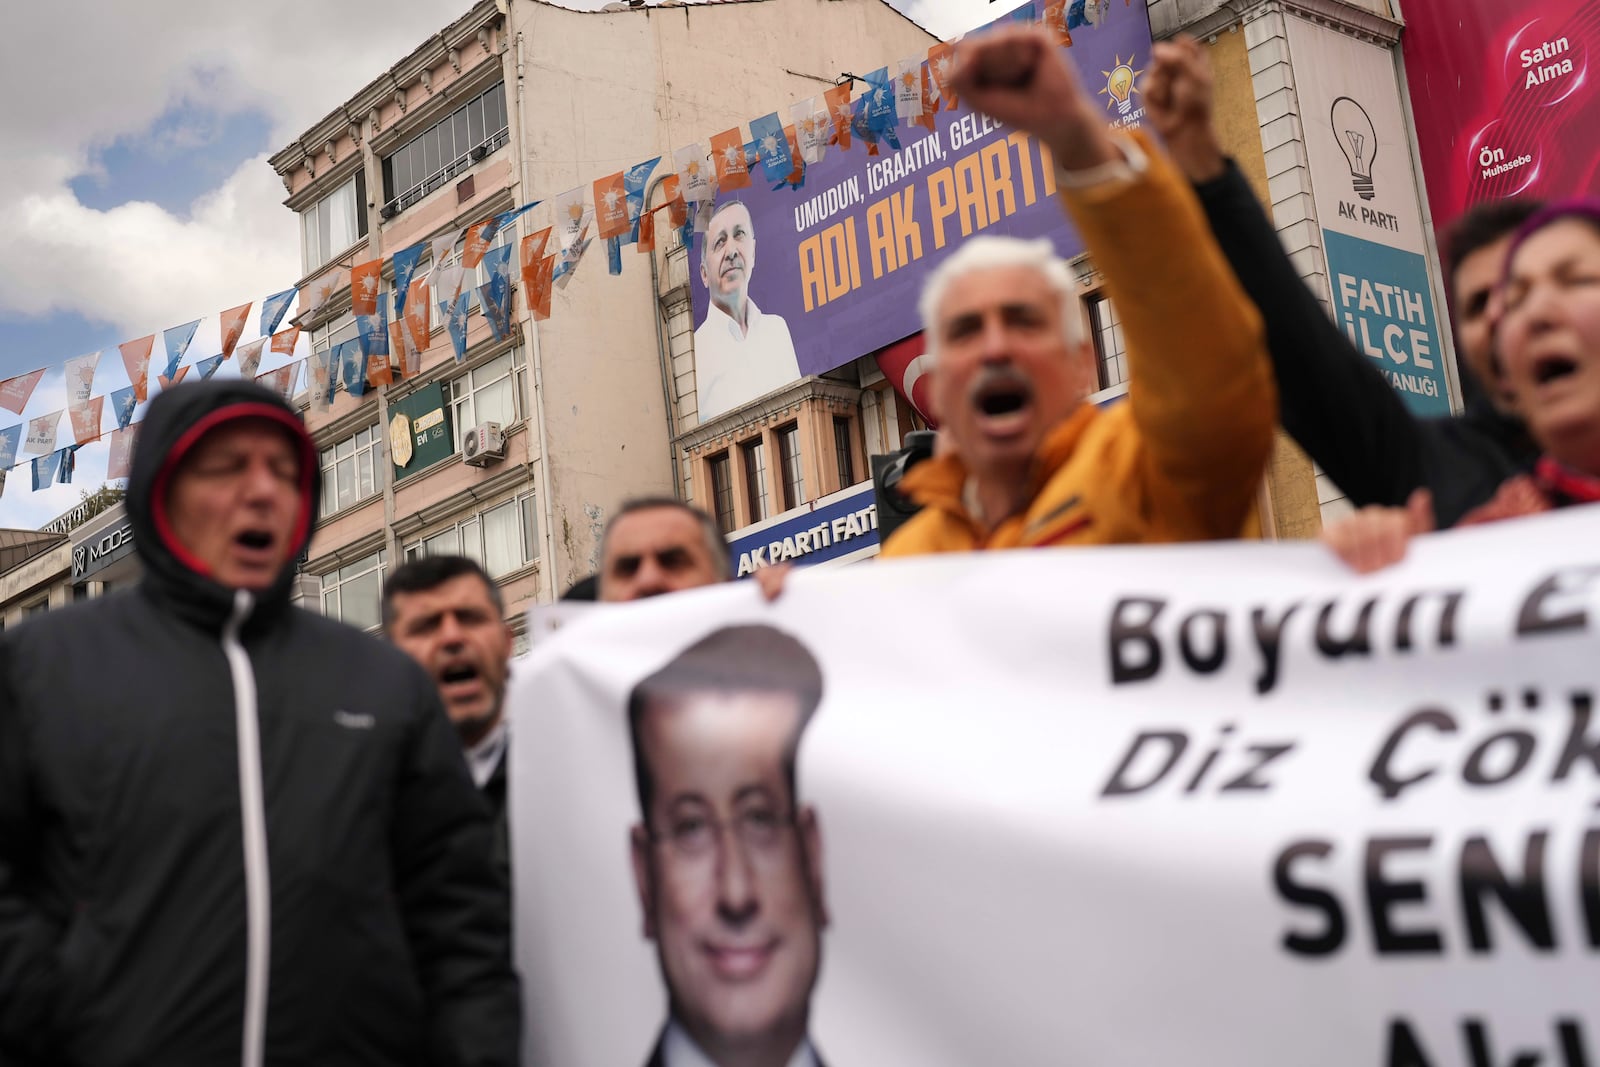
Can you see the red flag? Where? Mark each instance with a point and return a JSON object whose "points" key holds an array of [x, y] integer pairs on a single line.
{"points": [[647, 231], [727, 154], [476, 245], [233, 327], [283, 341], [121, 463], [538, 295], [942, 64], [365, 280], [906, 366], [86, 420], [838, 99], [168, 383], [611, 206], [136, 357], [14, 392]]}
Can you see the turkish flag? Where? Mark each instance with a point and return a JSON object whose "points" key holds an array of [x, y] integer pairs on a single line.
{"points": [[906, 365]]}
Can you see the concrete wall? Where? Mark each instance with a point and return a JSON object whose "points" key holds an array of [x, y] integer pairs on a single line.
{"points": [[604, 91]]}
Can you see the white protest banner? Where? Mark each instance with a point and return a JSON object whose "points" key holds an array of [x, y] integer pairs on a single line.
{"points": [[1222, 804]]}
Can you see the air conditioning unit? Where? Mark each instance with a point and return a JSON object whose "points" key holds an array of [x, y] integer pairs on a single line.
{"points": [[483, 444], [389, 211], [480, 153]]}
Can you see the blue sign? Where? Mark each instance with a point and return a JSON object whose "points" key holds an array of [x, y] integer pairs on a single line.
{"points": [[843, 524], [1381, 300]]}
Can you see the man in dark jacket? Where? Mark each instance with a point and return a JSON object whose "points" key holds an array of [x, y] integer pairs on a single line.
{"points": [[1332, 400], [232, 831]]}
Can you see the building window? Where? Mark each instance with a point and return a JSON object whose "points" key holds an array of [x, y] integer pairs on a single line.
{"points": [[1108, 342], [844, 451], [490, 393], [755, 478], [328, 337], [794, 483], [352, 470], [447, 148], [36, 608], [352, 593], [722, 491], [335, 222], [501, 539]]}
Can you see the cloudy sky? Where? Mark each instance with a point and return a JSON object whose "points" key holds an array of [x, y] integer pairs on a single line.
{"points": [[136, 193]]}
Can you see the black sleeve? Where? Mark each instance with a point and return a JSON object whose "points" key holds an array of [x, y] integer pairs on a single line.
{"points": [[1332, 400], [30, 975], [456, 900]]}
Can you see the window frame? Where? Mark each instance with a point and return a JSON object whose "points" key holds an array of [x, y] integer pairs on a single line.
{"points": [[335, 581], [753, 455], [328, 460], [791, 466], [474, 527], [1110, 347], [314, 259], [722, 491], [844, 450], [517, 374], [426, 176]]}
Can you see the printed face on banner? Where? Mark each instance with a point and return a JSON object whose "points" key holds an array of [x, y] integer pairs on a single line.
{"points": [[739, 955], [844, 258]]}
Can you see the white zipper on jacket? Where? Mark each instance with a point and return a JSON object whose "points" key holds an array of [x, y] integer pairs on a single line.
{"points": [[253, 813]]}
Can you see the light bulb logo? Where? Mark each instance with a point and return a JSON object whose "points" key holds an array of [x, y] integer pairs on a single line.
{"points": [[1120, 85], [1352, 128]]}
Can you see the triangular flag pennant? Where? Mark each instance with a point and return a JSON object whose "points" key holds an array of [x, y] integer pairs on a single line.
{"points": [[1055, 20], [233, 327], [207, 367], [1076, 16], [321, 291], [250, 358], [318, 370], [69, 463], [456, 322], [280, 381], [86, 420], [120, 464], [42, 433], [499, 324], [539, 286], [510, 215], [645, 239], [168, 381], [283, 341], [44, 470], [498, 309], [880, 101], [569, 213], [634, 184], [727, 154], [273, 309], [136, 358], [441, 247], [611, 206], [79, 371], [123, 401], [532, 249], [796, 177], [353, 367], [403, 355], [447, 285], [930, 100], [405, 267], [694, 172], [3, 473], [478, 238], [767, 132], [839, 113], [15, 392], [417, 319], [569, 261], [908, 91], [613, 255], [10, 439], [373, 333], [365, 281], [177, 341], [677, 207], [811, 129]]}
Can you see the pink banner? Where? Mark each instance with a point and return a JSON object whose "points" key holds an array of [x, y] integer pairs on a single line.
{"points": [[1503, 99]]}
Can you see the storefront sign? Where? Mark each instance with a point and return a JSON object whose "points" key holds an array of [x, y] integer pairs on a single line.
{"points": [[842, 527], [101, 551], [422, 421]]}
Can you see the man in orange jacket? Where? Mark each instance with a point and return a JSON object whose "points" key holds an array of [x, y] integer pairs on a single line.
{"points": [[1027, 462]]}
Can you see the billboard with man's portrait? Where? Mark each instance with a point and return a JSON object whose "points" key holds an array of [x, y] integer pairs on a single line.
{"points": [[789, 282]]}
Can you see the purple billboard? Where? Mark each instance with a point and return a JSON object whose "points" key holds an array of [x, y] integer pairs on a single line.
{"points": [[843, 257]]}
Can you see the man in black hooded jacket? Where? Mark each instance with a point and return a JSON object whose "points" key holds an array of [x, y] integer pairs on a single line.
{"points": [[232, 831]]}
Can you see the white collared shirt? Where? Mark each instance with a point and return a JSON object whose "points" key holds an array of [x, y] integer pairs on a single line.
{"points": [[734, 366], [484, 757], [679, 1050]]}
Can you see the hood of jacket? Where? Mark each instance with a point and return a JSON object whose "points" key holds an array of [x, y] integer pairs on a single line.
{"points": [[176, 421]]}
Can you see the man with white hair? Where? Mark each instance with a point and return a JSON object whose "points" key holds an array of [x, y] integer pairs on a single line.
{"points": [[1026, 461]]}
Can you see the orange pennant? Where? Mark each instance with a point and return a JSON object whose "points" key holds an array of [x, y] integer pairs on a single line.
{"points": [[1055, 20], [838, 99], [677, 208], [930, 102], [418, 321], [538, 295], [136, 357], [611, 206], [365, 281], [797, 175], [476, 245], [86, 420], [532, 250], [120, 464], [15, 392], [283, 341], [233, 327], [647, 231], [168, 383], [727, 154], [942, 64], [399, 348]]}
